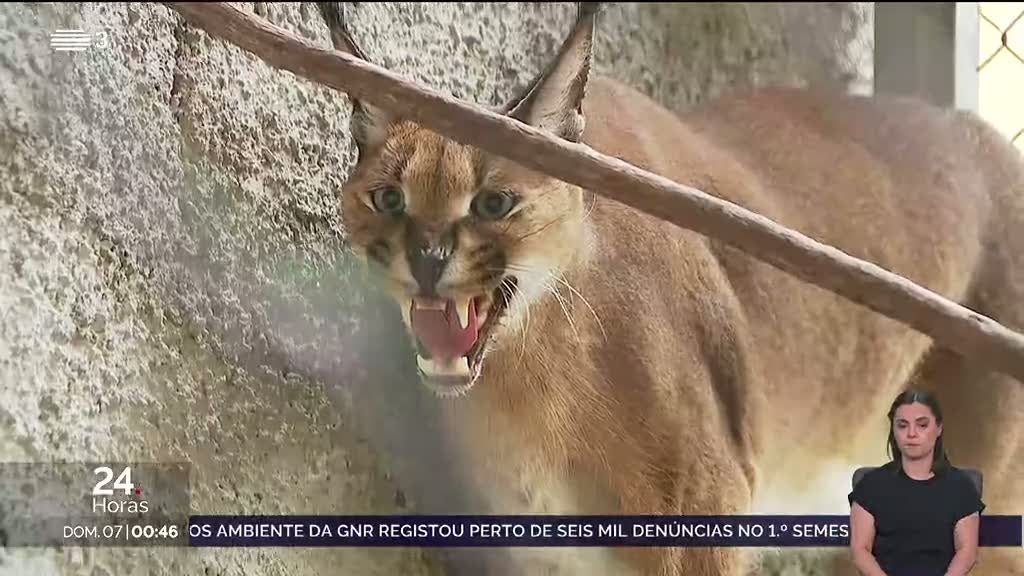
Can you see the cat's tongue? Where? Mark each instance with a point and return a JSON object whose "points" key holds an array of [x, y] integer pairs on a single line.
{"points": [[436, 324]]}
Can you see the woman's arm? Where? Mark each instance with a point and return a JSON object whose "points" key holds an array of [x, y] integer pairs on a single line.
{"points": [[862, 537], [965, 537]]}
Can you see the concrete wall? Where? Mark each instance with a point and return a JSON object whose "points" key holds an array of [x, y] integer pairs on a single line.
{"points": [[173, 284]]}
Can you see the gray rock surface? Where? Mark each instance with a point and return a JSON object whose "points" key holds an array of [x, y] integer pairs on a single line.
{"points": [[173, 278]]}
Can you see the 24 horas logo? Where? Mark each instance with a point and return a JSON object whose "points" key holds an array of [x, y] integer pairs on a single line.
{"points": [[130, 500]]}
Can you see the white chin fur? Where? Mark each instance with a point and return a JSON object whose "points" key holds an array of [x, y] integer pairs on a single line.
{"points": [[444, 390]]}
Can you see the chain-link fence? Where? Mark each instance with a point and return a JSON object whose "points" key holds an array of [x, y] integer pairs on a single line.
{"points": [[1001, 67]]}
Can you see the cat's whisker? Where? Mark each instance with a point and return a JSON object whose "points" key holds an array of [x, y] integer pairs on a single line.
{"points": [[509, 305], [523, 330], [553, 290], [590, 209], [522, 320], [537, 231], [561, 278], [548, 280]]}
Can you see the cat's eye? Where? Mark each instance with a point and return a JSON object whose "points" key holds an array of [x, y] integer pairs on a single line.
{"points": [[493, 205], [388, 200]]}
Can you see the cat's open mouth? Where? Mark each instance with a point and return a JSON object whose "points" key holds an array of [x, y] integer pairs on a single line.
{"points": [[453, 335]]}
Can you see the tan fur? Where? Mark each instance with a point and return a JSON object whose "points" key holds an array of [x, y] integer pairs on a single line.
{"points": [[660, 372]]}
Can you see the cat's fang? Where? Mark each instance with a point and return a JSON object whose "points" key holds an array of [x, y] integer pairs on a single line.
{"points": [[406, 305], [462, 309]]}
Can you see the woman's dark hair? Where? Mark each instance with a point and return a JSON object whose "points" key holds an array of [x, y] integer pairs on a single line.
{"points": [[940, 461]]}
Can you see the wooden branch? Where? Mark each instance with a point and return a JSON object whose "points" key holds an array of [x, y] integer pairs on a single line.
{"points": [[949, 324]]}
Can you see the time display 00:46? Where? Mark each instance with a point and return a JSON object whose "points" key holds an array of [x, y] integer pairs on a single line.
{"points": [[126, 532]]}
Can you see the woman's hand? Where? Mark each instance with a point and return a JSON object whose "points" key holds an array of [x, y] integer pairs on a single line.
{"points": [[965, 538], [862, 537]]}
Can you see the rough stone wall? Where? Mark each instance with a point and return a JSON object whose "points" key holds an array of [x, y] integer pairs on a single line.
{"points": [[173, 284]]}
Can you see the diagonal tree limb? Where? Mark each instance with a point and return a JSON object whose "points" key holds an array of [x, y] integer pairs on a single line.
{"points": [[946, 322]]}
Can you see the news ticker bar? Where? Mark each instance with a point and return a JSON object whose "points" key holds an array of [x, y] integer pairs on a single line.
{"points": [[458, 531], [548, 531]]}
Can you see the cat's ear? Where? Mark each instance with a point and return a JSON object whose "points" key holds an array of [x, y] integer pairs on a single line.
{"points": [[554, 100], [369, 124]]}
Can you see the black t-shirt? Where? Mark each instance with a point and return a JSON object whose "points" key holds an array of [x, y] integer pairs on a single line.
{"points": [[915, 519]]}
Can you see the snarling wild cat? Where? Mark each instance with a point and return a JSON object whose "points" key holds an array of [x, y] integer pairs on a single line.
{"points": [[590, 359]]}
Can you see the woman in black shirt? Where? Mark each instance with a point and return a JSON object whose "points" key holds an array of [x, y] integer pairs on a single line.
{"points": [[917, 515]]}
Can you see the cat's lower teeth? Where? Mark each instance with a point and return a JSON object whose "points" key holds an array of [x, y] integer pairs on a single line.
{"points": [[436, 367]]}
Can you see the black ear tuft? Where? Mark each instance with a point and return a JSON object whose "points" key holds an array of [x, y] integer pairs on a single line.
{"points": [[554, 100], [369, 123]]}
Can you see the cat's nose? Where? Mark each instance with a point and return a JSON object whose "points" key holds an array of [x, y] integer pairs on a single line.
{"points": [[427, 266], [428, 256]]}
